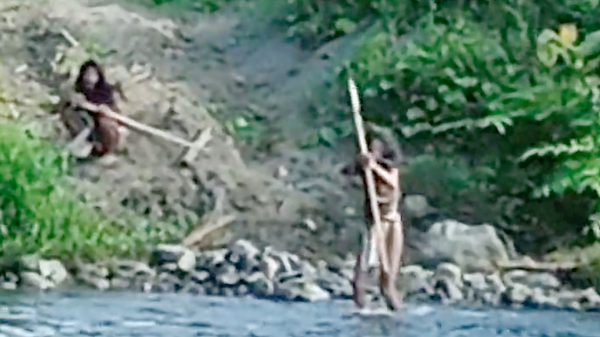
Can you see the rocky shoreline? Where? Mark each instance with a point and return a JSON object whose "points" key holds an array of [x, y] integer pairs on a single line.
{"points": [[244, 270]]}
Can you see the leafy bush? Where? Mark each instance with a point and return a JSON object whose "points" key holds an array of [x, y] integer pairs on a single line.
{"points": [[492, 83], [41, 214]]}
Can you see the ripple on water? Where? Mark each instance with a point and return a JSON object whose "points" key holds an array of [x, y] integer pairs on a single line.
{"points": [[112, 314]]}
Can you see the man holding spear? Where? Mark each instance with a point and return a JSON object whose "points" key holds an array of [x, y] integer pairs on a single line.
{"points": [[381, 179]]}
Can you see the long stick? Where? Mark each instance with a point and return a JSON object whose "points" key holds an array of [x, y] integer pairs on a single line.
{"points": [[360, 131], [135, 124]]}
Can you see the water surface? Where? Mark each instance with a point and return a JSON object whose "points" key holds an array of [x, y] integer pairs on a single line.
{"points": [[178, 315]]}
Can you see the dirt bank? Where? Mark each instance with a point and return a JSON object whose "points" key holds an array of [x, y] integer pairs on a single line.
{"points": [[187, 76]]}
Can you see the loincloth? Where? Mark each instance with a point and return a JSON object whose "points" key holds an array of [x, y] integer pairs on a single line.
{"points": [[369, 250]]}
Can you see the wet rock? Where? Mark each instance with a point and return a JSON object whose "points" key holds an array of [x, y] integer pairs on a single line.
{"points": [[589, 299], [180, 255], [475, 281], [259, 285], [242, 290], [449, 271], [228, 276], [35, 280], [472, 248], [119, 283], [200, 276], [337, 285], [166, 283], [539, 299], [9, 281], [93, 275], [516, 294], [449, 290], [495, 283], [415, 280], [532, 280], [244, 255], [269, 267], [301, 290], [53, 270]]}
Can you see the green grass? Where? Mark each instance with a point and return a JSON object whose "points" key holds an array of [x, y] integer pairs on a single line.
{"points": [[40, 213]]}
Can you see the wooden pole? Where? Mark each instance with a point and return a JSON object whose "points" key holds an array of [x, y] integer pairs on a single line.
{"points": [[362, 142], [103, 109]]}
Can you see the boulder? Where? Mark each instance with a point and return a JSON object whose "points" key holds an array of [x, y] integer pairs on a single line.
{"points": [[472, 248]]}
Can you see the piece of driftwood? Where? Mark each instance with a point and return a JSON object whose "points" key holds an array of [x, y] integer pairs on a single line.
{"points": [[360, 131], [530, 265], [198, 235]]}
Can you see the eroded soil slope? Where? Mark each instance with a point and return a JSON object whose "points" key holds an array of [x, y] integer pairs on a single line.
{"points": [[173, 72]]}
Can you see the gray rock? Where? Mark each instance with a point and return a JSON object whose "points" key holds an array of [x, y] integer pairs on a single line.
{"points": [[29, 263], [35, 280], [475, 281], [337, 285], [200, 276], [119, 283], [516, 294], [54, 271], [93, 275], [541, 280], [589, 300], [302, 290], [415, 280], [416, 206], [269, 266], [180, 255], [449, 290], [128, 269], [449, 271], [495, 283], [8, 285], [166, 283], [228, 276], [244, 256], [491, 299], [539, 300], [259, 285], [242, 290], [472, 248]]}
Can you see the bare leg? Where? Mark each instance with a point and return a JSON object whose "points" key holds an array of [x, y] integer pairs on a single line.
{"points": [[387, 281], [358, 282]]}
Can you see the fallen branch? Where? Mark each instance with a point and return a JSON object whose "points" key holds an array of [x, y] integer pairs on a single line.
{"points": [[69, 38], [197, 235], [358, 122]]}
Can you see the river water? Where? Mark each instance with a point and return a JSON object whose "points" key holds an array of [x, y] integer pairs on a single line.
{"points": [[173, 315]]}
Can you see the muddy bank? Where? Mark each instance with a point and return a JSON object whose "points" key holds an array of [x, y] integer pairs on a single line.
{"points": [[173, 73], [241, 269]]}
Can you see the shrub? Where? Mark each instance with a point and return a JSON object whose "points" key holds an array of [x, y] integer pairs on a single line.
{"points": [[41, 214]]}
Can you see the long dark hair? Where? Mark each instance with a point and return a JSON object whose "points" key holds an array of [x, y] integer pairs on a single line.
{"points": [[102, 92]]}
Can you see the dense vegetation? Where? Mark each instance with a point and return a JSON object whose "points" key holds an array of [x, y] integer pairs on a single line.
{"points": [[41, 214], [500, 96]]}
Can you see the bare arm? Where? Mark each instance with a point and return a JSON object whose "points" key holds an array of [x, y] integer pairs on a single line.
{"points": [[389, 177]]}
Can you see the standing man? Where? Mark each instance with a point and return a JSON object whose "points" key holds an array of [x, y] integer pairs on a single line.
{"points": [[384, 164]]}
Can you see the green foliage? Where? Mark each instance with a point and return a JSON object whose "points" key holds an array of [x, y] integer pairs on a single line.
{"points": [[491, 83], [41, 214]]}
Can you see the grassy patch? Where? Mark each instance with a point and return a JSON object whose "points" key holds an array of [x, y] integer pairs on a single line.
{"points": [[41, 214]]}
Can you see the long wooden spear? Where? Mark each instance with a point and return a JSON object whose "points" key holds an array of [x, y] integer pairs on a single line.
{"points": [[360, 133], [103, 109]]}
